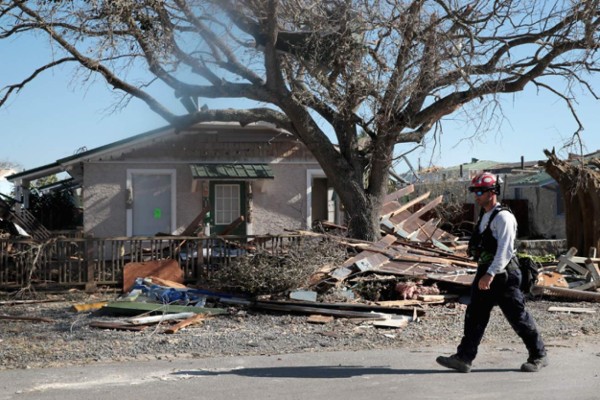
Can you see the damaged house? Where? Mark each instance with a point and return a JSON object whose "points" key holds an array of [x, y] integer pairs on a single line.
{"points": [[249, 180], [532, 194]]}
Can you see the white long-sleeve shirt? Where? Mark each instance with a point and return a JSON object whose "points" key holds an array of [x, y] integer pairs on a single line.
{"points": [[504, 230]]}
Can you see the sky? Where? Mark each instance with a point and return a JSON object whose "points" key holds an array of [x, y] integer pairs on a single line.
{"points": [[54, 116]]}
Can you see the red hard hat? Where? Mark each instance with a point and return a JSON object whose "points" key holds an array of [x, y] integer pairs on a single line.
{"points": [[484, 181]]}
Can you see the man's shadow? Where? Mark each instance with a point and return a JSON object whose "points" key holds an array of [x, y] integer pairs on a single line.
{"points": [[323, 371]]}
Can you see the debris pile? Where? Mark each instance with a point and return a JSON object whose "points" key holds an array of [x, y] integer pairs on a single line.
{"points": [[389, 283]]}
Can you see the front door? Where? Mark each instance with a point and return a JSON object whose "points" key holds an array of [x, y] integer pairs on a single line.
{"points": [[151, 203], [228, 200]]}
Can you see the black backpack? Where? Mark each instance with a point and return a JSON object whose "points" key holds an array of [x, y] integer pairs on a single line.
{"points": [[529, 275]]}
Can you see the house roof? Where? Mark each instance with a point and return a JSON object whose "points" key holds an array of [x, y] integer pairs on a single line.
{"points": [[473, 165], [67, 163], [539, 179]]}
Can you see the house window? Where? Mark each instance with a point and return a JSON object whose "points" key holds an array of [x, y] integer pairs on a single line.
{"points": [[227, 204]]}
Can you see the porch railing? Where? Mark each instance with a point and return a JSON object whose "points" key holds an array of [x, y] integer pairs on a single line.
{"points": [[90, 262]]}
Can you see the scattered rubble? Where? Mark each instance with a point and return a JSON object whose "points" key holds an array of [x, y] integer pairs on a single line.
{"points": [[390, 285]]}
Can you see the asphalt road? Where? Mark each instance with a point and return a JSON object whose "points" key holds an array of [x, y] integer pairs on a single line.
{"points": [[574, 373]]}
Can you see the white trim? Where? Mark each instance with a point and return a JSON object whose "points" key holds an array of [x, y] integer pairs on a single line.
{"points": [[310, 175], [153, 171]]}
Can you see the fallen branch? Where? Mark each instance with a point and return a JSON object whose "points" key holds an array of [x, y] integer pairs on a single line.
{"points": [[33, 319]]}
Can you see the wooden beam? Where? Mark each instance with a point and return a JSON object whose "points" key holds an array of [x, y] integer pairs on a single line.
{"points": [[191, 228], [32, 319], [231, 227], [572, 309], [432, 204], [399, 193], [117, 325], [562, 259], [593, 268], [196, 319], [155, 319], [407, 205]]}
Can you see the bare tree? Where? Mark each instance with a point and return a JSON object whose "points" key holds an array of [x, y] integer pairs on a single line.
{"points": [[579, 182], [326, 70]]}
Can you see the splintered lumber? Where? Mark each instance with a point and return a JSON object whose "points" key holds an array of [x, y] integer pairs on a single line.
{"points": [[167, 283], [350, 307], [405, 191], [437, 298], [393, 321], [417, 214], [89, 306], [16, 302], [399, 303], [231, 227], [569, 293], [136, 308], [319, 319], [155, 319], [315, 309], [193, 226], [117, 326], [405, 206], [593, 268], [577, 310], [32, 319], [196, 319]]}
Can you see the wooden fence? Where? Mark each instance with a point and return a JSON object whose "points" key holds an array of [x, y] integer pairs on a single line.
{"points": [[91, 262]]}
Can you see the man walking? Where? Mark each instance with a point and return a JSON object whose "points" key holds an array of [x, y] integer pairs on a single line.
{"points": [[497, 282]]}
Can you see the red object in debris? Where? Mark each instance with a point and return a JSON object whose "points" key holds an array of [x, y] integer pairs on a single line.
{"points": [[164, 269]]}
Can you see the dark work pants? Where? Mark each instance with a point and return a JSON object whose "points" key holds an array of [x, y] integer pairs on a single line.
{"points": [[504, 292]]}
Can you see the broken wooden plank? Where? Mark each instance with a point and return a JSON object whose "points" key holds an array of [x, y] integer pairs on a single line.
{"points": [[593, 268], [406, 206], [399, 303], [393, 321], [89, 306], [231, 227], [18, 318], [353, 307], [430, 298], [167, 283], [136, 308], [577, 310], [319, 319], [569, 293], [315, 310], [155, 319], [16, 302], [405, 191], [196, 319], [429, 206], [560, 267], [117, 326], [588, 286], [190, 230], [565, 262], [581, 260]]}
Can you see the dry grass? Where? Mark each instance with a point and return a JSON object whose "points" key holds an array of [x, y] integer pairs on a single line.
{"points": [[264, 273]]}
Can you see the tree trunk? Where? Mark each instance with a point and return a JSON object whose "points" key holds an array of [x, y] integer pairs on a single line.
{"points": [[363, 221], [580, 187]]}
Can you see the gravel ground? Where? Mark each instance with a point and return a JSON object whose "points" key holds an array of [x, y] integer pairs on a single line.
{"points": [[69, 340]]}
